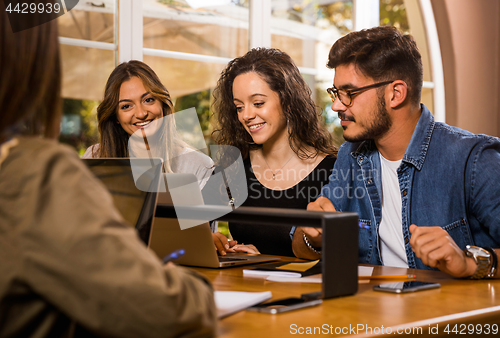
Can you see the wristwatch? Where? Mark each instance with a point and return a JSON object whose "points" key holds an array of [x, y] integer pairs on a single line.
{"points": [[486, 260]]}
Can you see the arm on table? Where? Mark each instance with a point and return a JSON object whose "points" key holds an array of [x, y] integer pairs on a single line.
{"points": [[435, 247]]}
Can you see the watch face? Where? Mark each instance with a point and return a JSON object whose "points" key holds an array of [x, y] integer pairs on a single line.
{"points": [[478, 252]]}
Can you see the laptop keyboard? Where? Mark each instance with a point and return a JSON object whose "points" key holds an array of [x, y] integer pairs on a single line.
{"points": [[231, 259]]}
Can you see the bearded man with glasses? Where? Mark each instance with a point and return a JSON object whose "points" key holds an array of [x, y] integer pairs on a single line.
{"points": [[426, 193]]}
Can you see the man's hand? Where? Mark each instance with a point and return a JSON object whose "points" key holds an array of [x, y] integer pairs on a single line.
{"points": [[300, 249], [222, 244], [321, 204], [314, 235], [435, 247]]}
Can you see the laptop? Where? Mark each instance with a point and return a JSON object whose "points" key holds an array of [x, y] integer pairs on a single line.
{"points": [[137, 207], [196, 240]]}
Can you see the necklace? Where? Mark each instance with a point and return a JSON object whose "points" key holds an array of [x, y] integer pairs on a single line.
{"points": [[274, 173]]}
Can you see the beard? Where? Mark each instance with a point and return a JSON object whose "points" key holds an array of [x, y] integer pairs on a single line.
{"points": [[380, 124]]}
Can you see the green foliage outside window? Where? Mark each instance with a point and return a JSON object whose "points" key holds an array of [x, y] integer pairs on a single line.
{"points": [[393, 13], [200, 101], [82, 130]]}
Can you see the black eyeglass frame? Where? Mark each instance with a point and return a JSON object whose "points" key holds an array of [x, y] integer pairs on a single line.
{"points": [[333, 92]]}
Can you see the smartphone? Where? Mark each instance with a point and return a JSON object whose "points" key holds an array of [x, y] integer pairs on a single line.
{"points": [[404, 287], [284, 305]]}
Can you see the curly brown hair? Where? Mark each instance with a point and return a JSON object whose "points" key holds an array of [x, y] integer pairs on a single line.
{"points": [[283, 77]]}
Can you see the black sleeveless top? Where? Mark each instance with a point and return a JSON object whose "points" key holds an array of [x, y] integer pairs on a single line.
{"points": [[275, 240]]}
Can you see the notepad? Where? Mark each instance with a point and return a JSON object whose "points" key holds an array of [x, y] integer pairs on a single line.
{"points": [[362, 271], [229, 302], [286, 269]]}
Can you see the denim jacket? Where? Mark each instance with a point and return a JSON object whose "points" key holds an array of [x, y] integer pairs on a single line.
{"points": [[448, 177]]}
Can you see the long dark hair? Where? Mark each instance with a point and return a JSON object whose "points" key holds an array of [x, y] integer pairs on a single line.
{"points": [[113, 138], [283, 77], [30, 93]]}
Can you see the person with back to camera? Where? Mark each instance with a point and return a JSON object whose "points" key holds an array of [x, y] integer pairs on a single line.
{"points": [[426, 193], [69, 264], [135, 99], [264, 108]]}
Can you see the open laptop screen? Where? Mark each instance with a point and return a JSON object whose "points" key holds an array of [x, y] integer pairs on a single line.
{"points": [[137, 207]]}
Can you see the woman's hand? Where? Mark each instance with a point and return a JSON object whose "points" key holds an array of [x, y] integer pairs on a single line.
{"points": [[222, 244], [248, 248]]}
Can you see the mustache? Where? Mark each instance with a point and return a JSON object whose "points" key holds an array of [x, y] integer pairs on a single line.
{"points": [[345, 117]]}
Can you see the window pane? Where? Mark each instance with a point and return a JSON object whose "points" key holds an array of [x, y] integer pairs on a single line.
{"points": [[306, 30], [393, 13], [190, 84], [410, 11], [89, 21], [210, 30], [85, 72], [79, 124]]}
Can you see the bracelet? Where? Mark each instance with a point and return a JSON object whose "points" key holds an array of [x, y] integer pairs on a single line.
{"points": [[308, 244]]}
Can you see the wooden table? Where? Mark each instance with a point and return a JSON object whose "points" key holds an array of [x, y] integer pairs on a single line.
{"points": [[457, 305]]}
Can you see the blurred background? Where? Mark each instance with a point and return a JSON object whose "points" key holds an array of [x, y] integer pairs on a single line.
{"points": [[188, 43]]}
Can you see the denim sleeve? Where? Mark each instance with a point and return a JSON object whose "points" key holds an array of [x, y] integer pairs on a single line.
{"points": [[484, 189], [341, 170]]}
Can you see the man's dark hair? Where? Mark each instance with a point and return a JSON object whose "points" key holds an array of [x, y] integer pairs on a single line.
{"points": [[382, 53]]}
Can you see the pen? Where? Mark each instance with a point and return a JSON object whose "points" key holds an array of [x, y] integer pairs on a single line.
{"points": [[173, 255], [388, 277], [363, 225]]}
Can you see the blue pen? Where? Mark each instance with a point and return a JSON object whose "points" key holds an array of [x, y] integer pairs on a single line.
{"points": [[363, 225], [173, 255]]}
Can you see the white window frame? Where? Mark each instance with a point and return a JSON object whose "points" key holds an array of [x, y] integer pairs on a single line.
{"points": [[130, 30], [366, 14], [437, 83], [129, 45]]}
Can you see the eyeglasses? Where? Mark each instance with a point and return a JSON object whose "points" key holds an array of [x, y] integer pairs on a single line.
{"points": [[346, 96]]}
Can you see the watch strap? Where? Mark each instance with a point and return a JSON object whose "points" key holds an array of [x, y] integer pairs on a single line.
{"points": [[483, 264], [494, 262]]}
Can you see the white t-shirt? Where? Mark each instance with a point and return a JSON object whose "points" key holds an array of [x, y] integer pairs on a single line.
{"points": [[392, 246]]}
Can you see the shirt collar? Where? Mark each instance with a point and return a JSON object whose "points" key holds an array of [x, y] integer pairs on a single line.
{"points": [[419, 143]]}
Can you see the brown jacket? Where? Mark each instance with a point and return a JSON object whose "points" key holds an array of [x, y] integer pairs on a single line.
{"points": [[70, 265]]}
